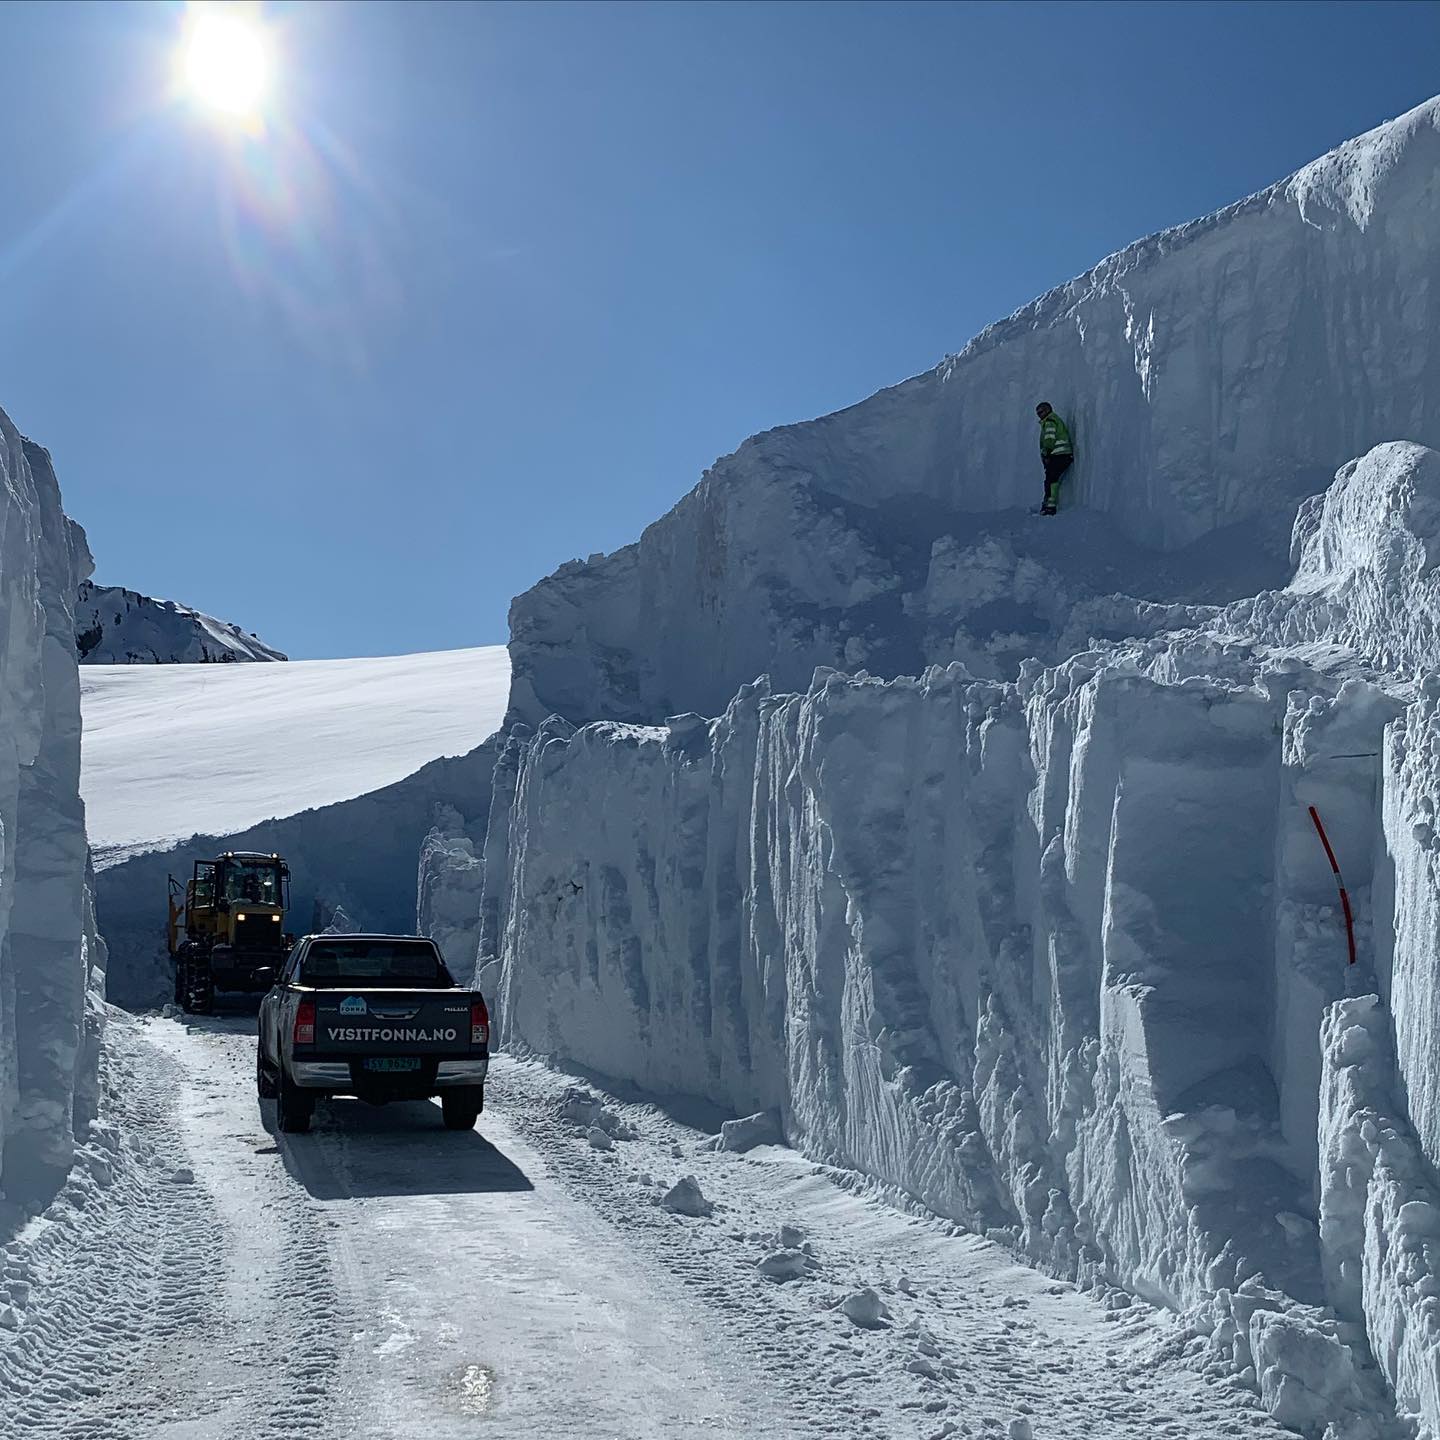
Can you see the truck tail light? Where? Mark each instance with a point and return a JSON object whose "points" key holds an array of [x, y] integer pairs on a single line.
{"points": [[305, 1023], [479, 1022]]}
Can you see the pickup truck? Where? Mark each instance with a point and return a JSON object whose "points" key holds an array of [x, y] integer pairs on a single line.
{"points": [[378, 1017]]}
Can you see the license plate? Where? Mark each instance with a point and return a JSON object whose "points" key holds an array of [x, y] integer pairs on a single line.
{"points": [[392, 1065]]}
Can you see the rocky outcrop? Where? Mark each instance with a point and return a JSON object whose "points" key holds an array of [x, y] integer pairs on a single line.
{"points": [[114, 626]]}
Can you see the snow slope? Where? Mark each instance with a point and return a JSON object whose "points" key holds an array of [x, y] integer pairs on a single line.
{"points": [[114, 626], [1038, 930], [178, 750], [1213, 375], [356, 760], [51, 962], [384, 1278]]}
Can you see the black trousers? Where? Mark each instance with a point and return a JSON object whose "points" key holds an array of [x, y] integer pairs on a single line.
{"points": [[1055, 467]]}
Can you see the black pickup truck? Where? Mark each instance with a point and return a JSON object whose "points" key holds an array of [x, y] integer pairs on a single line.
{"points": [[378, 1017]]}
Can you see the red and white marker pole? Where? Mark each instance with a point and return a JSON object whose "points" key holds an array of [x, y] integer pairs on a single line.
{"points": [[1339, 882]]}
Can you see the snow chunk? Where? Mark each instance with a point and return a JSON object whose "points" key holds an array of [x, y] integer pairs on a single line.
{"points": [[1379, 1216], [762, 1128], [685, 1197], [1306, 1376], [340, 923], [586, 1110], [866, 1309], [787, 1264], [1366, 575]]}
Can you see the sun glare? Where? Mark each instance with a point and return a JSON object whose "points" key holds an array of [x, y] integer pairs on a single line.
{"points": [[225, 59]]}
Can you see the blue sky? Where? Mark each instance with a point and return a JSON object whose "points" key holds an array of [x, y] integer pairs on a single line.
{"points": [[499, 282]]}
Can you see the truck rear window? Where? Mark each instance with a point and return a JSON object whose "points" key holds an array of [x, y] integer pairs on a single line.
{"points": [[357, 963]]}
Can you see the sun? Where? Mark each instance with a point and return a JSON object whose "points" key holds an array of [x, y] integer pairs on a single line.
{"points": [[225, 60]]}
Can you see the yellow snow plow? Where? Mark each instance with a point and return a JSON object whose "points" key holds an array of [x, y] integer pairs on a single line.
{"points": [[226, 928]]}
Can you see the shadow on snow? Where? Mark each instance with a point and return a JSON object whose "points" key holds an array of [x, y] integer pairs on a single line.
{"points": [[357, 1150]]}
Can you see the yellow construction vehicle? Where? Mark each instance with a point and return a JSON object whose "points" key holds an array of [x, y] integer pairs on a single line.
{"points": [[226, 928]]}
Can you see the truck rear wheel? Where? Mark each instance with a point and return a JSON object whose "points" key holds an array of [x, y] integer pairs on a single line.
{"points": [[462, 1108], [296, 1108], [265, 1086]]}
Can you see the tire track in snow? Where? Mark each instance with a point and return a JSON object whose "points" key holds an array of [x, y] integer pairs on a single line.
{"points": [[118, 1271], [153, 1313], [241, 1305], [285, 1321], [378, 1278]]}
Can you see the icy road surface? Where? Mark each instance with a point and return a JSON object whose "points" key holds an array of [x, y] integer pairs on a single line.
{"points": [[171, 751], [382, 1277]]}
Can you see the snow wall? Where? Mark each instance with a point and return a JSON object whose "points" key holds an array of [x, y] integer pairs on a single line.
{"points": [[1040, 932], [1213, 375], [1051, 956], [51, 961]]}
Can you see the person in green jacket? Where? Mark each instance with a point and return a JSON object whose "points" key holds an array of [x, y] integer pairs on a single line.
{"points": [[1056, 452]]}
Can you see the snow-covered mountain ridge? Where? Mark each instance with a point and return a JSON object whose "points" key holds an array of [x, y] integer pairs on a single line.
{"points": [[114, 626], [1032, 922]]}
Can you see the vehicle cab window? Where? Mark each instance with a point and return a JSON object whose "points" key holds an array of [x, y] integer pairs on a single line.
{"points": [[252, 882], [292, 965]]}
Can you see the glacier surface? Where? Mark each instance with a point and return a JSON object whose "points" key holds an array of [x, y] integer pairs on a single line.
{"points": [[174, 750]]}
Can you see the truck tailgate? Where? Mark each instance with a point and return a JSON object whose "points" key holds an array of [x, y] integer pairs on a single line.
{"points": [[392, 1022]]}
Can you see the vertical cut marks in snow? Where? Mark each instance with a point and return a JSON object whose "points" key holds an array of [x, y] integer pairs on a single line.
{"points": [[827, 905], [1050, 958], [1408, 943], [178, 750], [50, 959], [1379, 1209]]}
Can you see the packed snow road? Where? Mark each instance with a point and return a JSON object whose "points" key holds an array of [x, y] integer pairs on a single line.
{"points": [[203, 1277]]}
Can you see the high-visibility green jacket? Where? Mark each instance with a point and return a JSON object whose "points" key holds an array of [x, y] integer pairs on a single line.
{"points": [[1055, 436]]}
